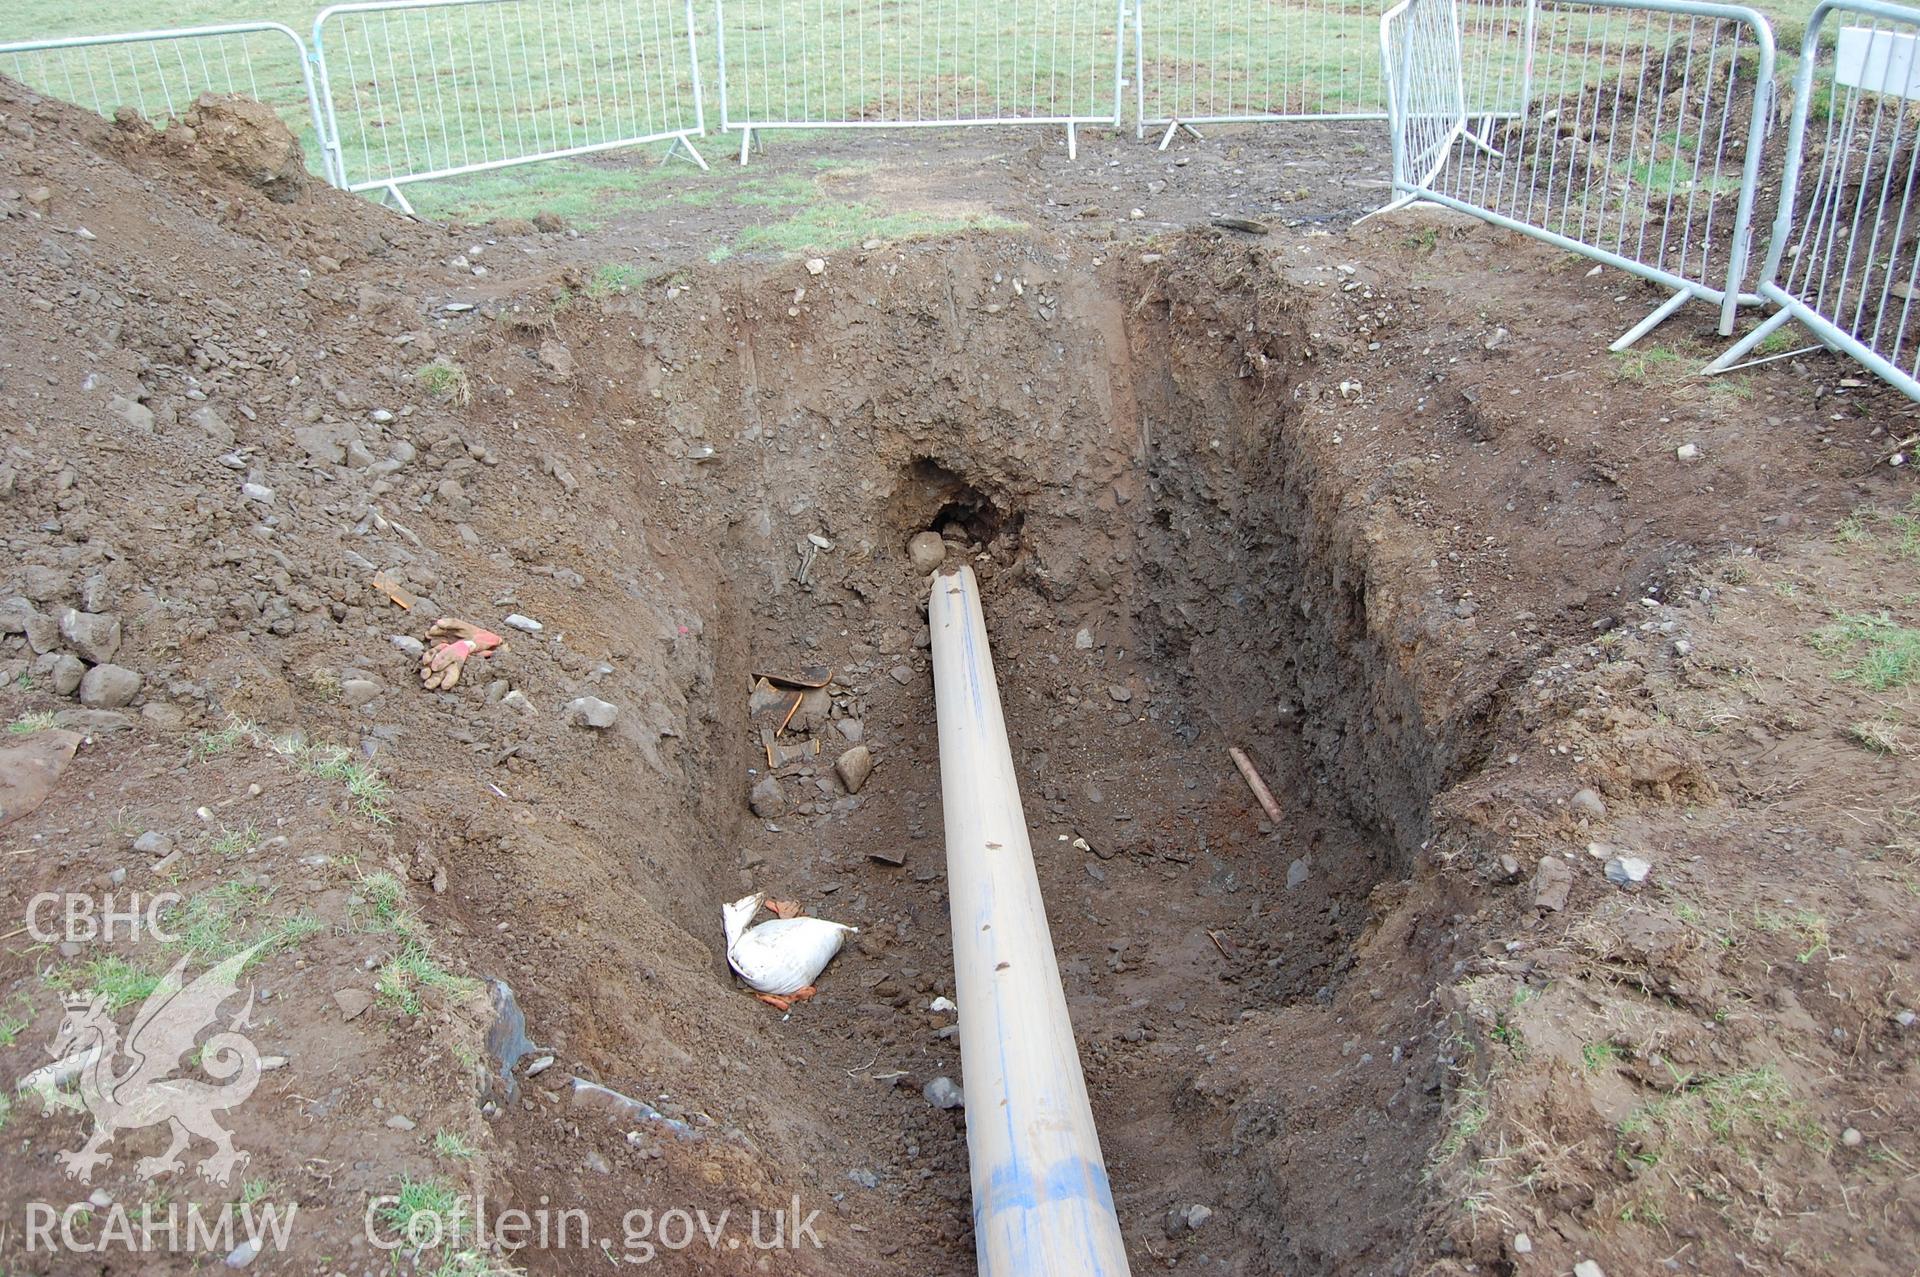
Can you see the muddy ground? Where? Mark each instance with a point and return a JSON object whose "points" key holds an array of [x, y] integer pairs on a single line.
{"points": [[1373, 504]]}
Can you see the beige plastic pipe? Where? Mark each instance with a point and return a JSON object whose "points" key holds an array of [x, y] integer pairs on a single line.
{"points": [[1041, 1201]]}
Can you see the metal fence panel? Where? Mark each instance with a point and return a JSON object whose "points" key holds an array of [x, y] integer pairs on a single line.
{"points": [[1637, 141], [1843, 259], [1207, 61], [918, 63], [420, 89], [160, 73]]}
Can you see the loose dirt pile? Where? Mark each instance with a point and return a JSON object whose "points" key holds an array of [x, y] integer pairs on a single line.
{"points": [[1372, 507]]}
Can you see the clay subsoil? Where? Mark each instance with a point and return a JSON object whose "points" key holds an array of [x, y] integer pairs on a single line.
{"points": [[1373, 504]]}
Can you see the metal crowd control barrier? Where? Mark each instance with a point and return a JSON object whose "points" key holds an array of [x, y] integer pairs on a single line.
{"points": [[414, 90], [160, 73], [1637, 144], [1843, 259], [919, 64], [1210, 63]]}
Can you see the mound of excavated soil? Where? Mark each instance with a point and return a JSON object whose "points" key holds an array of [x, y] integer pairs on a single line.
{"points": [[1376, 509]]}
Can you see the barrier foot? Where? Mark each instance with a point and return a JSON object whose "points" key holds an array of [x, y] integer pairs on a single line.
{"points": [[746, 145], [684, 143], [1660, 316], [1738, 351], [391, 191], [1173, 127], [1392, 206], [1073, 144]]}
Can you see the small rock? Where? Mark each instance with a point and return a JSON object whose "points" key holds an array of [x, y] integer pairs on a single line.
{"points": [[1510, 868], [355, 692], [524, 623], [68, 670], [399, 1123], [942, 1004], [153, 843], [927, 551], [943, 1094], [517, 700], [816, 266], [135, 413], [1588, 803], [1297, 873], [1587, 1268], [1627, 871], [901, 674], [243, 1254], [853, 768], [1552, 882], [1083, 639], [352, 1002], [540, 1066], [94, 635], [1905, 1019], [851, 730], [590, 711], [596, 1163], [109, 687], [864, 1178], [408, 644], [1197, 1216], [257, 492], [767, 798], [1522, 1244], [1851, 1137], [1686, 452], [1119, 693]]}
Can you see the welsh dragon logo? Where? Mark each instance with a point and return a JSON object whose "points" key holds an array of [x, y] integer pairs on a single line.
{"points": [[129, 1085]]}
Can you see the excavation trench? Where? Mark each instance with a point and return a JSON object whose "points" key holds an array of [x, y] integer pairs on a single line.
{"points": [[1166, 574]]}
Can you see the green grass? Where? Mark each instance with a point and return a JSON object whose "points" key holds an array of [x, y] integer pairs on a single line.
{"points": [[1885, 654], [218, 743], [1595, 1056], [453, 1145], [223, 920], [823, 227], [13, 1023], [234, 842], [444, 379], [113, 977], [414, 969], [1648, 363], [427, 1208], [385, 907], [38, 721], [615, 279], [367, 789]]}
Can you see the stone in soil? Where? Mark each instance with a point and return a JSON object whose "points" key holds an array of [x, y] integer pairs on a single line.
{"points": [[854, 767], [1588, 803], [1626, 871], [94, 635], [1552, 882], [590, 711], [109, 687], [927, 551], [768, 798]]}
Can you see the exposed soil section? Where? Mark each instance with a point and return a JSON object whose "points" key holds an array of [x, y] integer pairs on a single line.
{"points": [[1374, 506]]}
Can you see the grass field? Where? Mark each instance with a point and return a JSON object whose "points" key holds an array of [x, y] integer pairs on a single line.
{"points": [[427, 90]]}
